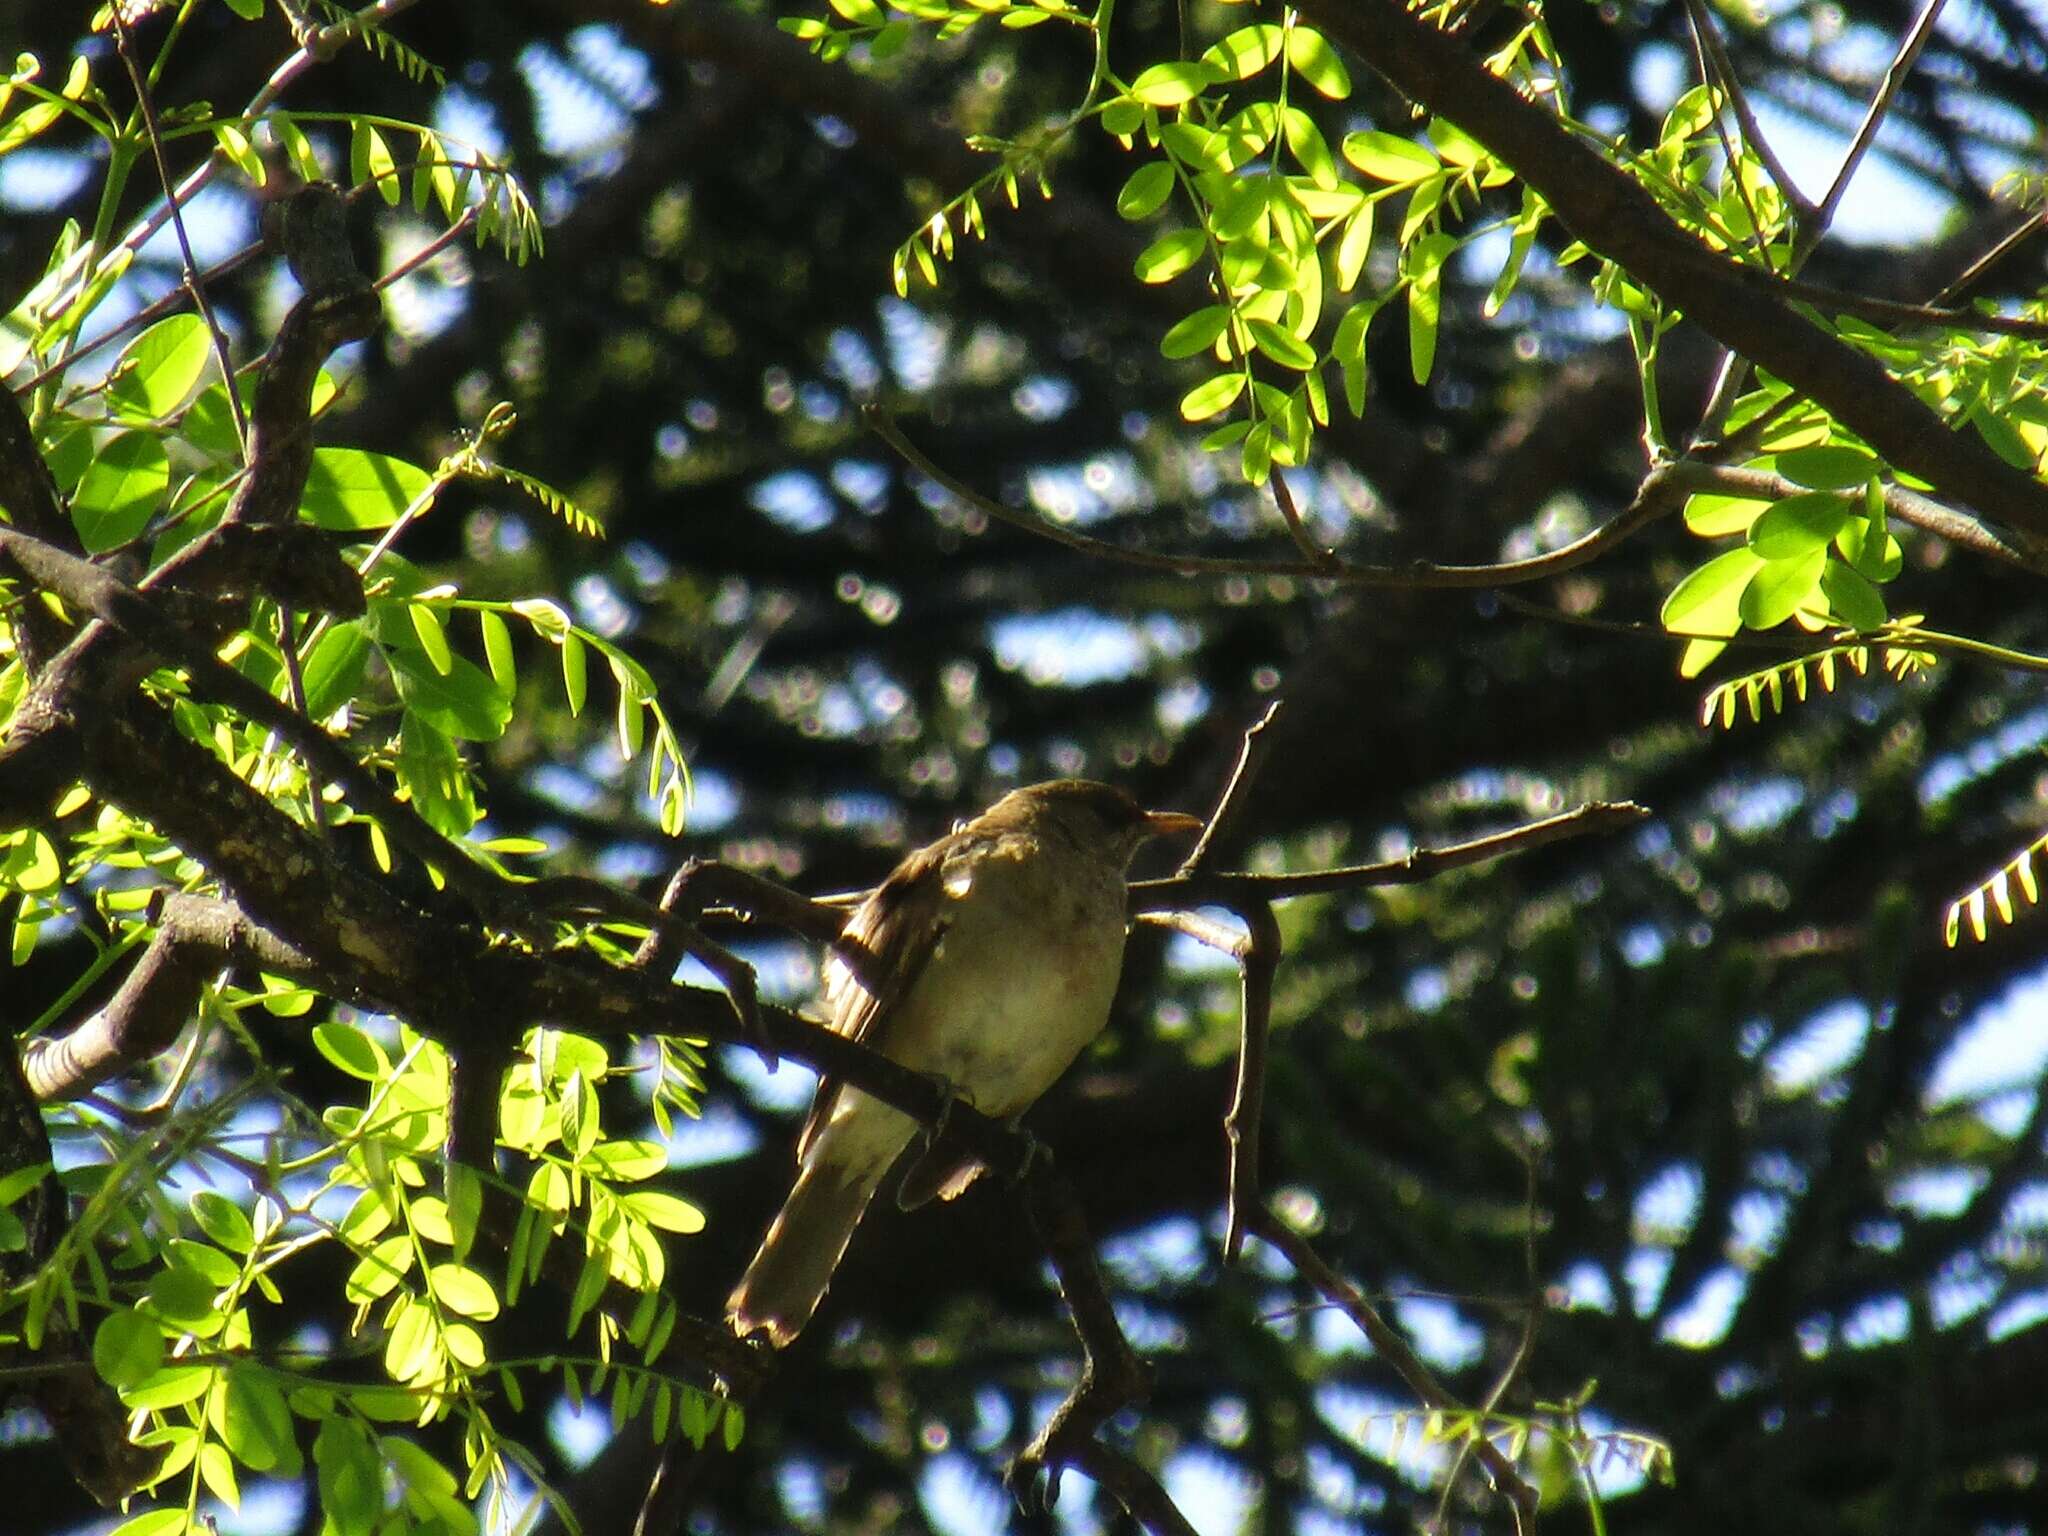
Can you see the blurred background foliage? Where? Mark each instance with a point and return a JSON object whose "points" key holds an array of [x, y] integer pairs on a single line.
{"points": [[1703, 1120]]}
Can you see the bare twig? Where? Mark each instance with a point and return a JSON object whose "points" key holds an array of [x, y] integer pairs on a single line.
{"points": [[1391, 1347], [1649, 504], [1112, 1376], [1230, 805], [1283, 498], [1248, 1099], [1707, 38], [125, 46], [1880, 105], [1596, 817]]}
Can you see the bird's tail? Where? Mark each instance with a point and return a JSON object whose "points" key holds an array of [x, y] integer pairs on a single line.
{"points": [[782, 1287]]}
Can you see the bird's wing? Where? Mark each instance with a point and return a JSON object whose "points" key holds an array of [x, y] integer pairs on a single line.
{"points": [[899, 926]]}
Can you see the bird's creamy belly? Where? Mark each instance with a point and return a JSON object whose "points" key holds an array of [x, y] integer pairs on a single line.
{"points": [[1021, 998]]}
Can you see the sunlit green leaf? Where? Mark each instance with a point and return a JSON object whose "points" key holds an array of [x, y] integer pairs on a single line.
{"points": [[1781, 588], [1245, 52], [1170, 84], [159, 368], [120, 490], [127, 1348], [1169, 256], [1146, 191], [1708, 601], [1211, 396], [1798, 525], [349, 488], [1312, 57]]}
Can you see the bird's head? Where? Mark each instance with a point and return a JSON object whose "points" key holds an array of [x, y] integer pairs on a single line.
{"points": [[1095, 815]]}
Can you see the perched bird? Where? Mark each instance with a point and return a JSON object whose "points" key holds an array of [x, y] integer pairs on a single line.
{"points": [[994, 955]]}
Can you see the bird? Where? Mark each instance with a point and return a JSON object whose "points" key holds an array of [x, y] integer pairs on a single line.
{"points": [[992, 957]]}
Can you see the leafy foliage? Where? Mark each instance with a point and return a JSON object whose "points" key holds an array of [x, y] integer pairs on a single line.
{"points": [[838, 641]]}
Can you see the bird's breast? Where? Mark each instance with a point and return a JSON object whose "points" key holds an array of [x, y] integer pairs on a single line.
{"points": [[1019, 985]]}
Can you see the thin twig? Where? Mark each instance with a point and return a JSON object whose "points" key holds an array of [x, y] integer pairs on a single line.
{"points": [[1975, 271], [1248, 1098], [1714, 76], [1880, 105], [295, 678], [1648, 505], [1391, 1347], [1283, 498], [431, 249], [1112, 1376], [1251, 753], [1708, 38], [312, 50], [125, 46], [1593, 818]]}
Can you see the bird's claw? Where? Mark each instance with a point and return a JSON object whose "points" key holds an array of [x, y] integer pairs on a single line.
{"points": [[1035, 1152], [950, 1093], [1033, 1481]]}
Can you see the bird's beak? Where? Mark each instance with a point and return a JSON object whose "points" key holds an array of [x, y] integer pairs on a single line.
{"points": [[1171, 823]]}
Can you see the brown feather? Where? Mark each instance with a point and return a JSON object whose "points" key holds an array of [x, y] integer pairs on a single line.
{"points": [[898, 926]]}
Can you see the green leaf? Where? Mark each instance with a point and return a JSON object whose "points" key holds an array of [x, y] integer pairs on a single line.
{"points": [[1384, 157], [1830, 466], [252, 1420], [1169, 256], [463, 702], [1851, 598], [431, 770], [1782, 588], [575, 672], [351, 1050], [1874, 553], [1196, 333], [461, 1289], [119, 491], [1708, 601], [1283, 347], [334, 672], [1211, 396], [1196, 145], [2002, 437], [248, 10], [1168, 85], [465, 1206], [127, 1348], [1354, 246], [426, 624], [154, 1522], [1425, 300], [378, 1272], [222, 1220], [1245, 52], [1317, 62], [411, 1349], [369, 157], [628, 1160], [170, 1388], [1797, 526], [1713, 517], [1308, 146], [663, 1210], [349, 488], [184, 1298], [1150, 185], [159, 368], [351, 1477], [19, 1181], [1347, 347], [498, 649]]}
